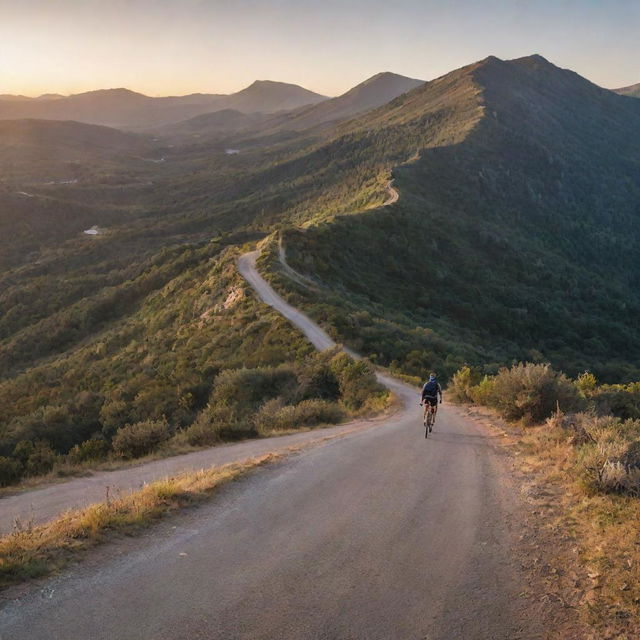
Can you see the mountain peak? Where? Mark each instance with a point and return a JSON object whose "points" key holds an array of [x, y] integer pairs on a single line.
{"points": [[632, 90], [119, 92], [262, 84]]}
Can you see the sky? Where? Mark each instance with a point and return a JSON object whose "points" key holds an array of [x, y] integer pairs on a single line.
{"points": [[174, 47]]}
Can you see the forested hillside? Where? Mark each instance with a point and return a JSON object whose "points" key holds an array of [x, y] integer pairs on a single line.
{"points": [[515, 237]]}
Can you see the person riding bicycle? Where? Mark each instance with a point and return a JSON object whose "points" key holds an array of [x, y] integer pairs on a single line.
{"points": [[430, 392]]}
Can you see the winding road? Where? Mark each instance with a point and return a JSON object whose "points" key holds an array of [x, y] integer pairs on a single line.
{"points": [[378, 535]]}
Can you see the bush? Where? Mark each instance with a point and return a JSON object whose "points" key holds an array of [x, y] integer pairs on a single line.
{"points": [[41, 461], [94, 449], [622, 401], [212, 424], [23, 450], [586, 384], [611, 463], [114, 415], [202, 433], [317, 380], [246, 389], [274, 415], [483, 392], [461, 383], [532, 392], [220, 422], [140, 438], [357, 381], [10, 471]]}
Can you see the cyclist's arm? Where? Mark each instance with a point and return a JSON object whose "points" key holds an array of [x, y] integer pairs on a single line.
{"points": [[440, 392]]}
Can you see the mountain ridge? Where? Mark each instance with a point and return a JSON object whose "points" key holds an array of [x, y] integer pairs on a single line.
{"points": [[369, 94], [632, 90], [122, 107]]}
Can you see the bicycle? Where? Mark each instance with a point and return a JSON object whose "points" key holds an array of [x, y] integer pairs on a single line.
{"points": [[429, 417]]}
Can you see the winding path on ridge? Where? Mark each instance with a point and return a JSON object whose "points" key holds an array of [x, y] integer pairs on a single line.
{"points": [[381, 534]]}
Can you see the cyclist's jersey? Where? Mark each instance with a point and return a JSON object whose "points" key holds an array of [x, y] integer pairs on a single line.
{"points": [[430, 393]]}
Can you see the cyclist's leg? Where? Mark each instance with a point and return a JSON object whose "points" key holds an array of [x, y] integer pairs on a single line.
{"points": [[432, 410]]}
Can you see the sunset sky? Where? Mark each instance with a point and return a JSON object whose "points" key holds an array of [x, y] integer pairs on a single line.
{"points": [[162, 47]]}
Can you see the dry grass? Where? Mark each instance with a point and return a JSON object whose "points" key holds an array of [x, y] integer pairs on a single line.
{"points": [[603, 529], [38, 551]]}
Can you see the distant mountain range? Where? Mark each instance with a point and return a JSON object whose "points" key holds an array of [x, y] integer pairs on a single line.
{"points": [[633, 91], [125, 108], [373, 92]]}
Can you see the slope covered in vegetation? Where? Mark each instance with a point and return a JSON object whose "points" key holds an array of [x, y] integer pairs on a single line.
{"points": [[514, 237]]}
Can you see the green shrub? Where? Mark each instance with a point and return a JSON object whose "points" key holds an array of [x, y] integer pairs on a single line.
{"points": [[622, 401], [89, 450], [274, 415], [357, 381], [211, 425], [461, 383], [140, 438], [317, 380], [484, 391], [41, 461], [246, 389], [586, 384], [10, 471], [23, 450], [114, 415], [532, 392]]}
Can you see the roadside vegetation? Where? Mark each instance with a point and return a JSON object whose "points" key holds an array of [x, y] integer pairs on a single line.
{"points": [[196, 361], [583, 439], [318, 389]]}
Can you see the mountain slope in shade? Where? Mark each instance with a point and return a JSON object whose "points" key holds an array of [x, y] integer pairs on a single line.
{"points": [[57, 136], [517, 233], [125, 108], [51, 150], [633, 91], [217, 122]]}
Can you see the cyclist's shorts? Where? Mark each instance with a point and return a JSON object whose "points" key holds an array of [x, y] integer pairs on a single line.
{"points": [[432, 401]]}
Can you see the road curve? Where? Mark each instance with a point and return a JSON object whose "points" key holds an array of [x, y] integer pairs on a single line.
{"points": [[380, 535]]}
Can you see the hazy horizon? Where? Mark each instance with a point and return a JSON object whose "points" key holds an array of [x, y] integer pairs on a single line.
{"points": [[158, 48]]}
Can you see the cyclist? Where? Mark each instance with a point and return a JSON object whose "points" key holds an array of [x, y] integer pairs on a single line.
{"points": [[430, 392]]}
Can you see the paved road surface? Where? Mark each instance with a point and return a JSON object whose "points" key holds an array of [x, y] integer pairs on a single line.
{"points": [[378, 535], [46, 503]]}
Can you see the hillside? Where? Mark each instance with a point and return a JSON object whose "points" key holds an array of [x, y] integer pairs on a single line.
{"points": [[633, 91], [515, 237], [41, 151], [125, 108], [509, 241], [373, 92], [61, 135]]}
